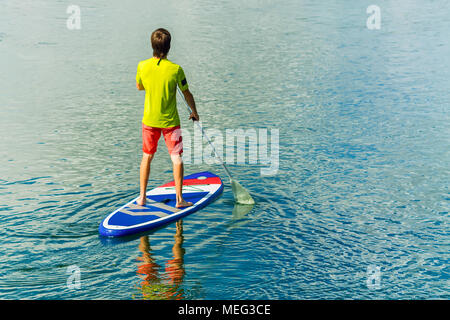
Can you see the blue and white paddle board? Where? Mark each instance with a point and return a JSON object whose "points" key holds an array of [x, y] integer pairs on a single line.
{"points": [[199, 188]]}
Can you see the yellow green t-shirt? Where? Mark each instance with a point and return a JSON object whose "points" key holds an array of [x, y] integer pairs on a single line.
{"points": [[160, 79]]}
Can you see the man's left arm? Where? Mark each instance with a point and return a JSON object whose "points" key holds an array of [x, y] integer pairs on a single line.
{"points": [[139, 84]]}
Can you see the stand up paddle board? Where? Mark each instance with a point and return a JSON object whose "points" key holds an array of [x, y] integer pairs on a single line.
{"points": [[199, 188]]}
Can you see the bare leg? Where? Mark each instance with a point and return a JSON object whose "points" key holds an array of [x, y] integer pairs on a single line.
{"points": [[144, 173], [178, 173]]}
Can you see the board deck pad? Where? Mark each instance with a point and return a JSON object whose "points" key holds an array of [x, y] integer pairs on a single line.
{"points": [[200, 188]]}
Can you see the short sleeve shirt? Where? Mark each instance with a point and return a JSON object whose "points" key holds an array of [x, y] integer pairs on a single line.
{"points": [[160, 78]]}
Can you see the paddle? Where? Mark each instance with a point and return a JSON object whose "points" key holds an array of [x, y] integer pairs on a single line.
{"points": [[240, 194]]}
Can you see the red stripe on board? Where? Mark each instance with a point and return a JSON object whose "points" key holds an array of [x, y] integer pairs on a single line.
{"points": [[191, 182]]}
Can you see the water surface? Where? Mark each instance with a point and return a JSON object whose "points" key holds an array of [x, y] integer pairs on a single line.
{"points": [[363, 178]]}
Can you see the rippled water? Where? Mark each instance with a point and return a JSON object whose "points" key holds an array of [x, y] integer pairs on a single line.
{"points": [[363, 179]]}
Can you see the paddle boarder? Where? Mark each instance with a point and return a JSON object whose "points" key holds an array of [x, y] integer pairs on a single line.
{"points": [[159, 77]]}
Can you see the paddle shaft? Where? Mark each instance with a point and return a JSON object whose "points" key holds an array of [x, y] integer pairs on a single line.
{"points": [[205, 135]]}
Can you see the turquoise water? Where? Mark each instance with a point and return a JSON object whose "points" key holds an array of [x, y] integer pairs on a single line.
{"points": [[363, 177]]}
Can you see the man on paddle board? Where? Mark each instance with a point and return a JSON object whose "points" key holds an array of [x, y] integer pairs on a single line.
{"points": [[160, 77]]}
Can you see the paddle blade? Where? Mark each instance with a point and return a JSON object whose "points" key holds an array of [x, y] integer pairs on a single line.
{"points": [[240, 194]]}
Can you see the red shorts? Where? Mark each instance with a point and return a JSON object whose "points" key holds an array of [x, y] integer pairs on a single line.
{"points": [[172, 136]]}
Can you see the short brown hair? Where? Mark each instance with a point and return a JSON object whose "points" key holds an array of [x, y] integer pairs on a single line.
{"points": [[160, 42]]}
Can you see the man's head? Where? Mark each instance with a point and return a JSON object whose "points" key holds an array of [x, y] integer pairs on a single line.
{"points": [[160, 42]]}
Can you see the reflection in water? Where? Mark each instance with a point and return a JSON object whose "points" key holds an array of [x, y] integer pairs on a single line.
{"points": [[239, 215], [241, 210], [154, 285]]}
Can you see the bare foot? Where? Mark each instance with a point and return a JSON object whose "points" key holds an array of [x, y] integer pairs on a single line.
{"points": [[141, 201], [184, 204]]}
